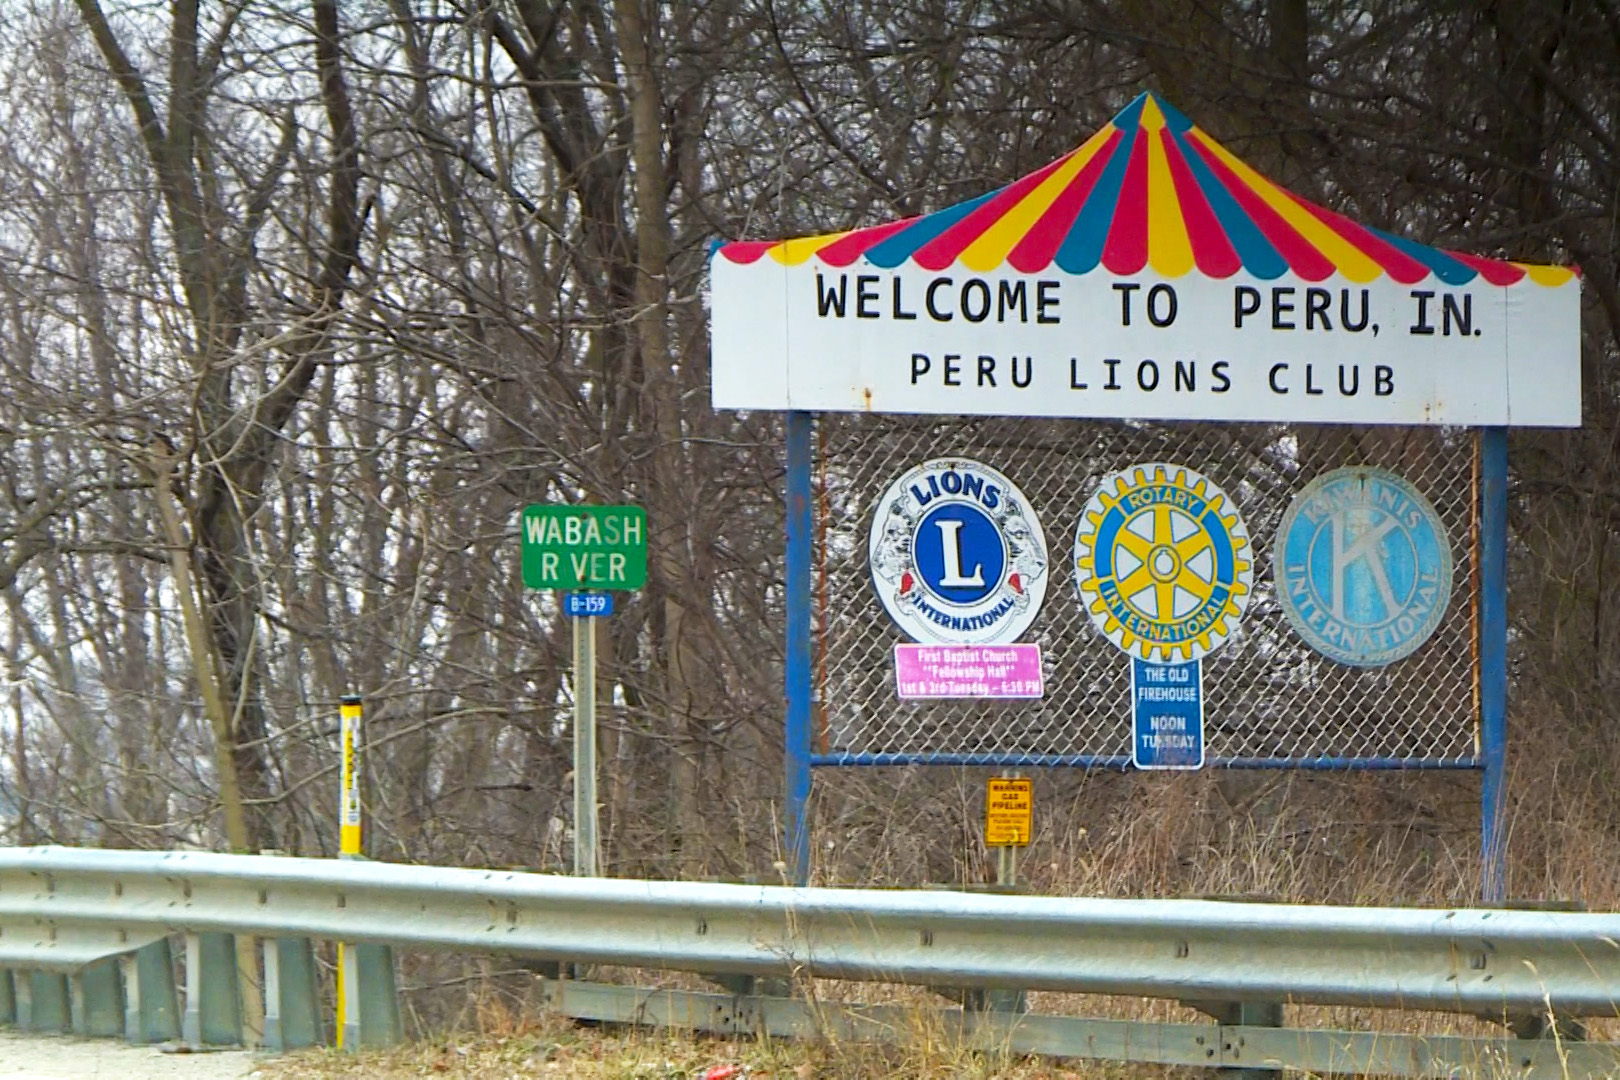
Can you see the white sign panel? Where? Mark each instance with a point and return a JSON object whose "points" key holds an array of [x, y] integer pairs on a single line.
{"points": [[958, 342]]}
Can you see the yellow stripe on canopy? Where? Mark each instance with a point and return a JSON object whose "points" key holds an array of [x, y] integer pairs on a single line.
{"points": [[992, 247], [1546, 275], [794, 252], [1350, 260], [1169, 248]]}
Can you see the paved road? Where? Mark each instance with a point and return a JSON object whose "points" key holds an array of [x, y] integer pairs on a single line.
{"points": [[44, 1057]]}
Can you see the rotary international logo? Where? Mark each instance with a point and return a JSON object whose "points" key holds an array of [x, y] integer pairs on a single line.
{"points": [[1162, 562], [1363, 566], [957, 556]]}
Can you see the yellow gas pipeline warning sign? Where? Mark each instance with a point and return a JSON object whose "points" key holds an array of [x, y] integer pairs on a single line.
{"points": [[1009, 811]]}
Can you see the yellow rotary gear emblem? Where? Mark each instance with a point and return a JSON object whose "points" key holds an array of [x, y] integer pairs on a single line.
{"points": [[1162, 563]]}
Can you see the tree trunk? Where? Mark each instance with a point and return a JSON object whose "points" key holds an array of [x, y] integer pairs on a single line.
{"points": [[661, 398]]}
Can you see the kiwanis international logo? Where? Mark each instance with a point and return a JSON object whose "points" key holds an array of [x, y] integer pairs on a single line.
{"points": [[957, 556], [1162, 563], [1363, 566]]}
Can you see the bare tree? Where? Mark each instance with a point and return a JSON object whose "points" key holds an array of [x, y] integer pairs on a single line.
{"points": [[301, 302]]}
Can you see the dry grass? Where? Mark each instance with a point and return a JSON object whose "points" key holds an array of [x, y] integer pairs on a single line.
{"points": [[555, 1048], [1358, 839], [504, 1035]]}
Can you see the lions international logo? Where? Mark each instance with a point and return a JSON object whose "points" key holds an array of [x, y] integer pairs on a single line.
{"points": [[1162, 563], [957, 556], [1363, 566]]}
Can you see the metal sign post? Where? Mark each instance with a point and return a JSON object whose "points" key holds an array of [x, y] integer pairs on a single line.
{"points": [[797, 668], [1493, 679], [1007, 866], [584, 549], [585, 808], [583, 608]]}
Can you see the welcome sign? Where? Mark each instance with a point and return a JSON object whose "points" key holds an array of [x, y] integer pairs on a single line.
{"points": [[1149, 274]]}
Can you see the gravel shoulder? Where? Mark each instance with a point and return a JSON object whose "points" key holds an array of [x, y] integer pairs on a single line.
{"points": [[47, 1057]]}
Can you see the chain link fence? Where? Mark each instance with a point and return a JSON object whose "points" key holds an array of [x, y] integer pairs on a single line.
{"points": [[1269, 698]]}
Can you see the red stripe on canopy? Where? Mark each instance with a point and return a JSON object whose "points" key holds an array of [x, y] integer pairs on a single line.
{"points": [[1302, 258], [1126, 250], [1212, 251], [944, 249], [1039, 246]]}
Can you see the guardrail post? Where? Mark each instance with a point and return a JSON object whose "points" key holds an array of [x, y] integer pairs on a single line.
{"points": [[213, 1003], [368, 999], [50, 1010], [76, 1002], [97, 1001], [995, 999], [8, 999], [151, 1009], [1248, 1014], [982, 999], [378, 997], [22, 985], [291, 1012]]}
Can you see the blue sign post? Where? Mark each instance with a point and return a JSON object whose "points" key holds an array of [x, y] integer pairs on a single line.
{"points": [[1167, 715]]}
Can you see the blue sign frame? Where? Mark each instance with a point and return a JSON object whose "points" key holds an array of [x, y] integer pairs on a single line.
{"points": [[798, 670]]}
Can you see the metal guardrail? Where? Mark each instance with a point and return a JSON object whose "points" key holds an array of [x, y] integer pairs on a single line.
{"points": [[63, 907]]}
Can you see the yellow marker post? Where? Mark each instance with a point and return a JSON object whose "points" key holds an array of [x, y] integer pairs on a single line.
{"points": [[348, 848], [349, 799]]}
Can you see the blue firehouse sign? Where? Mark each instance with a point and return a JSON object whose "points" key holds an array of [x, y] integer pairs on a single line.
{"points": [[1363, 566], [1167, 715]]}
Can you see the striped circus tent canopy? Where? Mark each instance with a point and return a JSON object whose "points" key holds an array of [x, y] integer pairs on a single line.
{"points": [[1150, 274], [1150, 189]]}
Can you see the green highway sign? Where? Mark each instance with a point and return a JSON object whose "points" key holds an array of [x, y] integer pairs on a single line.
{"points": [[584, 547]]}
